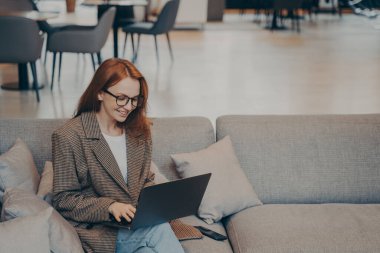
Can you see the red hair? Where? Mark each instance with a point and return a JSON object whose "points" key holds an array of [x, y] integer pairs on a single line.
{"points": [[108, 74]]}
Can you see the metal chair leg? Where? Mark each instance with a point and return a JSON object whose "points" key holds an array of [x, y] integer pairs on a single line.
{"points": [[59, 67], [155, 43], [133, 44], [137, 48], [46, 52], [52, 73], [170, 46], [93, 61], [125, 44], [98, 54], [35, 80]]}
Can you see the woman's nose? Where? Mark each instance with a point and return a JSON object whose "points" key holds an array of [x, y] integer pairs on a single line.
{"points": [[129, 106]]}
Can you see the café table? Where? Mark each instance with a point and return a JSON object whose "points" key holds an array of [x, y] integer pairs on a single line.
{"points": [[120, 7], [23, 80]]}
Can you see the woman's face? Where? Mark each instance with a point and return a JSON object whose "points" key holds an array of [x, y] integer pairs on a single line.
{"points": [[119, 110]]}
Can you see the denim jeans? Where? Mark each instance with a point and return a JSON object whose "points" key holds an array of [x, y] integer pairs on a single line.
{"points": [[158, 239]]}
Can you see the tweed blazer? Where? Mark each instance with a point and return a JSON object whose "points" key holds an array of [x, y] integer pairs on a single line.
{"points": [[87, 179]]}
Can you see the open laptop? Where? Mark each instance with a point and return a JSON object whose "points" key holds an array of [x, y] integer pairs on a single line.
{"points": [[168, 201]]}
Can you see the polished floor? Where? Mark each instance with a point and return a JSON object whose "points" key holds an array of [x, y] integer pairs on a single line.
{"points": [[234, 67]]}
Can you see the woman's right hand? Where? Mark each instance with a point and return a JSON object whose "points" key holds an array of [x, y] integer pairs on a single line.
{"points": [[119, 210]]}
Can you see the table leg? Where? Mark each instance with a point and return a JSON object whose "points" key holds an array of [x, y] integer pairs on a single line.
{"points": [[23, 76], [23, 80], [115, 41]]}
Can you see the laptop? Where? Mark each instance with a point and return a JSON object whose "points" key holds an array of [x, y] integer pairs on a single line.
{"points": [[168, 201]]}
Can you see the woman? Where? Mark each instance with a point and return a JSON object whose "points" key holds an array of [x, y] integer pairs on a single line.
{"points": [[102, 160]]}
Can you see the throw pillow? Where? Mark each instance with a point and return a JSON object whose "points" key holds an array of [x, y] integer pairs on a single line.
{"points": [[19, 203], [17, 169], [159, 178], [229, 190], [26, 234], [45, 188]]}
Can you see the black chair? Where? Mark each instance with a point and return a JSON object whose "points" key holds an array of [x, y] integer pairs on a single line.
{"points": [[291, 6], [21, 42], [81, 39], [16, 5], [311, 6], [164, 23]]}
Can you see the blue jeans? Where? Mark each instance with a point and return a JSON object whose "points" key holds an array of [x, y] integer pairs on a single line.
{"points": [[158, 239]]}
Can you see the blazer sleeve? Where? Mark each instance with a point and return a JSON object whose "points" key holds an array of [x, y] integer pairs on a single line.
{"points": [[69, 198], [149, 180]]}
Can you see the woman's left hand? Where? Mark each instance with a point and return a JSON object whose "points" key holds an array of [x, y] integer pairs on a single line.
{"points": [[119, 210]]}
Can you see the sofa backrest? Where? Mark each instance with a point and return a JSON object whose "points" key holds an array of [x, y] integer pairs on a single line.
{"points": [[308, 159], [179, 135], [36, 133], [170, 136]]}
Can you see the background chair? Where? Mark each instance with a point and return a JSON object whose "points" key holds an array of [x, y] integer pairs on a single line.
{"points": [[21, 42], [291, 6], [29, 5], [164, 23], [16, 5], [81, 39]]}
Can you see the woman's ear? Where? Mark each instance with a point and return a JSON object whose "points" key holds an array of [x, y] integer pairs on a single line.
{"points": [[100, 95]]}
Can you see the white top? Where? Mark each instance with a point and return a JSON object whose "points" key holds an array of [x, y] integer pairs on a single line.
{"points": [[118, 146]]}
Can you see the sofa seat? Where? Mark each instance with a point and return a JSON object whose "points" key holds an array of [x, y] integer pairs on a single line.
{"points": [[306, 228], [205, 244]]}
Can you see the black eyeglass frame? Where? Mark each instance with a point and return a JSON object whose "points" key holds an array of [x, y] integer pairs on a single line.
{"points": [[139, 99]]}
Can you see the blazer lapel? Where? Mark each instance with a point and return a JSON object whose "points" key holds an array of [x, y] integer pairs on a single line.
{"points": [[135, 159], [101, 149]]}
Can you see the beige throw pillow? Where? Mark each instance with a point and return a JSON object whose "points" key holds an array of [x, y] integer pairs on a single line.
{"points": [[18, 170], [26, 234], [45, 189], [159, 178], [229, 190], [19, 203]]}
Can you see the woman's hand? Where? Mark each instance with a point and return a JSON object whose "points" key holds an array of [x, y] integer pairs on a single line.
{"points": [[119, 210]]}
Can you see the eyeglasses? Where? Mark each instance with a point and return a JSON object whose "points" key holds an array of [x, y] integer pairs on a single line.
{"points": [[123, 100]]}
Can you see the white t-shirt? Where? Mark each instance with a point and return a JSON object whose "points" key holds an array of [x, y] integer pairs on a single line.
{"points": [[118, 147]]}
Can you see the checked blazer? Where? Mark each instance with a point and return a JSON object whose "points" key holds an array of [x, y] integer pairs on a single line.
{"points": [[87, 179]]}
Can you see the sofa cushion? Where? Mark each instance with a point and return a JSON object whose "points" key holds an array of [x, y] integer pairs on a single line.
{"points": [[229, 190], [308, 159], [26, 234], [19, 203], [45, 188], [327, 228], [17, 169], [206, 244]]}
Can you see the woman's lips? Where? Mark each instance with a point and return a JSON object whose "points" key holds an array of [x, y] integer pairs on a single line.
{"points": [[123, 114]]}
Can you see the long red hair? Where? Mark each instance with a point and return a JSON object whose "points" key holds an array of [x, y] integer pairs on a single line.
{"points": [[108, 74]]}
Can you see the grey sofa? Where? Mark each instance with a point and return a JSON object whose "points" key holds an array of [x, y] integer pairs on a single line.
{"points": [[318, 177]]}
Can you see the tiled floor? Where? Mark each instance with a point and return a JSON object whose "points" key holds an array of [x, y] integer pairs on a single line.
{"points": [[235, 67]]}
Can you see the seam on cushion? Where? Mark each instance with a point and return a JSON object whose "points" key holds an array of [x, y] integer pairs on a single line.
{"points": [[2, 183], [235, 234], [12, 214]]}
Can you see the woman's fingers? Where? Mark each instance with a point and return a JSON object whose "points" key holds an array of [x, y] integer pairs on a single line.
{"points": [[130, 213], [132, 208], [117, 217], [126, 217], [121, 210]]}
